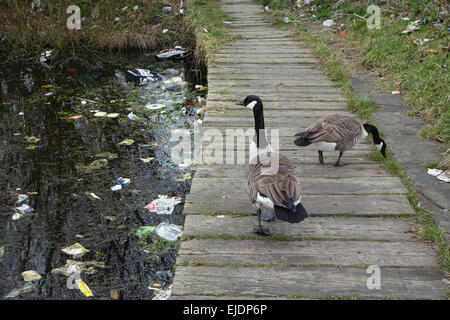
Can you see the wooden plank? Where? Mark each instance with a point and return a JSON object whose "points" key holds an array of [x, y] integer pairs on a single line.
{"points": [[310, 186], [302, 171], [307, 252], [277, 90], [361, 205], [312, 227], [285, 105], [277, 97], [271, 113], [410, 283]]}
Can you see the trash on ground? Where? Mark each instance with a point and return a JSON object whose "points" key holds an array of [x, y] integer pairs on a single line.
{"points": [[421, 42], [445, 176], [47, 86], [186, 176], [172, 54], [33, 139], [108, 155], [76, 250], [100, 114], [126, 142], [147, 160], [114, 294], [156, 286], [410, 28], [163, 205], [132, 116], [328, 23], [2, 252], [199, 87], [73, 266], [168, 231], [145, 231], [116, 187], [21, 198], [286, 20], [123, 180], [227, 22], [94, 165], [165, 30], [174, 83], [27, 287], [93, 196], [24, 209], [155, 106], [84, 288], [434, 172], [163, 294], [75, 117], [396, 92], [112, 115], [166, 9], [31, 275], [17, 216], [45, 55], [142, 76]]}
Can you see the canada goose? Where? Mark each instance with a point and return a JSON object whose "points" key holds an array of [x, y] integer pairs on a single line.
{"points": [[274, 189], [338, 133]]}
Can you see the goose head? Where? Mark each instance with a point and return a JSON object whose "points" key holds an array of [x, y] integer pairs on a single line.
{"points": [[379, 143], [254, 103]]}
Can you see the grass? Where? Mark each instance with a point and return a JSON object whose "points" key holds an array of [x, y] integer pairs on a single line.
{"points": [[106, 25], [206, 14], [428, 230]]}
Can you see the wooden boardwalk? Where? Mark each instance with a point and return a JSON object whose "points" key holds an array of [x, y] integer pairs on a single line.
{"points": [[354, 210]]}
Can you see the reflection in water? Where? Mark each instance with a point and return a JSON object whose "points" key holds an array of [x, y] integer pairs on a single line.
{"points": [[40, 149]]}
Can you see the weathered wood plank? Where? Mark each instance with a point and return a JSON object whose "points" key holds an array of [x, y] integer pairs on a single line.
{"points": [[271, 113], [361, 205], [308, 252], [285, 105], [309, 282], [313, 227], [214, 187], [303, 171]]}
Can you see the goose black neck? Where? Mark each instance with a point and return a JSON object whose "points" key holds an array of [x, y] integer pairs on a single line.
{"points": [[259, 127], [374, 131]]}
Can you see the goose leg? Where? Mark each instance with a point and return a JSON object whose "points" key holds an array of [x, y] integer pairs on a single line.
{"points": [[338, 162], [260, 230], [320, 157]]}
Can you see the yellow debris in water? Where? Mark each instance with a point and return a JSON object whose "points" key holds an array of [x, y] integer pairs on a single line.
{"points": [[84, 288]]}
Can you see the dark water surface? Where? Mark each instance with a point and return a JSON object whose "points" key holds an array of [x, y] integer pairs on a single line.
{"points": [[58, 171]]}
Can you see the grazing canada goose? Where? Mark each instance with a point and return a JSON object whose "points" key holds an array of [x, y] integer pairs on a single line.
{"points": [[274, 189], [338, 133]]}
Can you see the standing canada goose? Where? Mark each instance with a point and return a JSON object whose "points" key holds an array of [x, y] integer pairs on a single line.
{"points": [[274, 189], [338, 133]]}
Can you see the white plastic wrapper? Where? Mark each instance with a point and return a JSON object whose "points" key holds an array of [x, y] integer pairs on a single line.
{"points": [[163, 205], [168, 231]]}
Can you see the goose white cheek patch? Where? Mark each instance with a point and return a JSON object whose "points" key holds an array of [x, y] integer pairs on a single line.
{"points": [[379, 146], [251, 104]]}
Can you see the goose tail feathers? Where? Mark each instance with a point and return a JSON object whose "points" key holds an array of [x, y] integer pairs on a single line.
{"points": [[292, 213]]}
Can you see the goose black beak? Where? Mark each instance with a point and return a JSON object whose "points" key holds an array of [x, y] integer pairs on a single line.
{"points": [[240, 103]]}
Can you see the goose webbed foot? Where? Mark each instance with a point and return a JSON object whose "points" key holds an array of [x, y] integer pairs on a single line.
{"points": [[339, 163], [262, 231], [259, 229]]}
